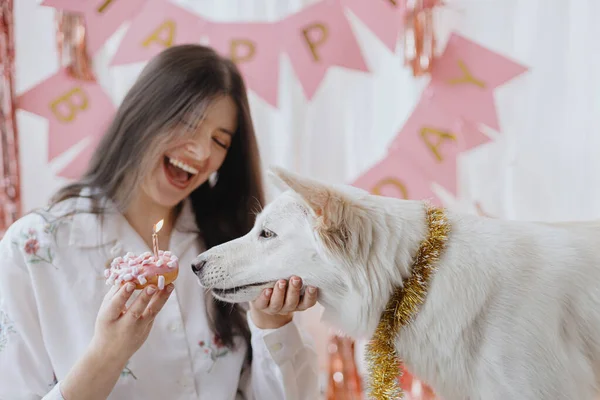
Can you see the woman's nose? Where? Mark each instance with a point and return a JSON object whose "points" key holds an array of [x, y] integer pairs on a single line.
{"points": [[200, 149]]}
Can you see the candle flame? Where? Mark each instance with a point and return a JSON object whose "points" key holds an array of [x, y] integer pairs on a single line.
{"points": [[158, 226]]}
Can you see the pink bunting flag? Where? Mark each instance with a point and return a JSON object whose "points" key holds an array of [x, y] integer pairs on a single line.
{"points": [[76, 168], [255, 48], [434, 138], [159, 25], [74, 109], [472, 135], [79, 6], [319, 37], [464, 77], [383, 17], [102, 17], [398, 176]]}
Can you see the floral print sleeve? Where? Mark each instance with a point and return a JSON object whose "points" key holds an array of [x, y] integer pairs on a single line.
{"points": [[34, 249], [25, 368]]}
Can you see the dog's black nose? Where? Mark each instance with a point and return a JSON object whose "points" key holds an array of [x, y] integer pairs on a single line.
{"points": [[197, 267]]}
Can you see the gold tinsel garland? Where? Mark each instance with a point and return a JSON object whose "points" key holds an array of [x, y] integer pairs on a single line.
{"points": [[403, 306]]}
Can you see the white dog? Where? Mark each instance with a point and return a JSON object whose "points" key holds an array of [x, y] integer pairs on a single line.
{"points": [[513, 311]]}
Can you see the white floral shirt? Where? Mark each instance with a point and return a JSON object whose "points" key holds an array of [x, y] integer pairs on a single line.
{"points": [[51, 288]]}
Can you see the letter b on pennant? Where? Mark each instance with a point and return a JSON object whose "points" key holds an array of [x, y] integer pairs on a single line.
{"points": [[66, 106]]}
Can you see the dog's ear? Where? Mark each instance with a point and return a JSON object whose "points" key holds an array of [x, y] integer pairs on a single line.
{"points": [[314, 193], [275, 179], [334, 210]]}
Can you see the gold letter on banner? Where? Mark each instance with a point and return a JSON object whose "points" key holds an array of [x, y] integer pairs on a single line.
{"points": [[246, 56], [467, 77], [169, 26], [390, 182], [393, 3], [67, 100], [313, 45], [105, 5], [426, 132]]}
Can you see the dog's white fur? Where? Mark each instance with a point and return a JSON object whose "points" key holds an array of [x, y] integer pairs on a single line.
{"points": [[512, 313]]}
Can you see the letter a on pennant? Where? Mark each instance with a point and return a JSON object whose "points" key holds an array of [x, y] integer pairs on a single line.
{"points": [[164, 35], [74, 109], [431, 137], [160, 24], [317, 38]]}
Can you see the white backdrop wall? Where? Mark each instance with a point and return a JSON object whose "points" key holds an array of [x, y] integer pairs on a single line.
{"points": [[543, 166]]}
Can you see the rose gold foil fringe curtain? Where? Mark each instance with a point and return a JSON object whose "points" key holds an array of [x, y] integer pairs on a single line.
{"points": [[419, 36], [10, 198], [71, 42]]}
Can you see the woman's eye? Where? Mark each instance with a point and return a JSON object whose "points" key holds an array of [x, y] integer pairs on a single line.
{"points": [[221, 143], [267, 234]]}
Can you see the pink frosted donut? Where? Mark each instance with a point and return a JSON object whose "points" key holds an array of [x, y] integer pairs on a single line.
{"points": [[143, 270]]}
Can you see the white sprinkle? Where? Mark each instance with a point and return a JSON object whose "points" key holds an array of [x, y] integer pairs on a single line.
{"points": [[135, 271], [159, 263], [161, 282], [172, 264], [118, 260], [161, 252], [129, 254], [146, 261], [168, 253], [146, 254], [174, 258], [118, 280], [106, 273], [142, 280], [132, 262], [127, 277]]}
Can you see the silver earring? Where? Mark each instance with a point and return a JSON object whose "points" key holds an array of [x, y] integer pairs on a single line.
{"points": [[213, 179]]}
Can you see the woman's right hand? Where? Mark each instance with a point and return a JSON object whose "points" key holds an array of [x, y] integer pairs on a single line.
{"points": [[120, 331]]}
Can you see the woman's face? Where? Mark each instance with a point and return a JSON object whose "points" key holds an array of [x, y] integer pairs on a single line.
{"points": [[189, 160]]}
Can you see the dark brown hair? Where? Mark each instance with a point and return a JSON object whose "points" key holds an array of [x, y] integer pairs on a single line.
{"points": [[178, 83]]}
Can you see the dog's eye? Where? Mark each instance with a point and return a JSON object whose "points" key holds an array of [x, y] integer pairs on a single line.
{"points": [[267, 234]]}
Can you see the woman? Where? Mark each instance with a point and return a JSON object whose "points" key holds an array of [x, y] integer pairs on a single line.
{"points": [[181, 148]]}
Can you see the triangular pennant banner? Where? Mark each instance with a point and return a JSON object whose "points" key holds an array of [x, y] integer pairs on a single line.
{"points": [[318, 38], [383, 17], [74, 109], [398, 176], [464, 77], [433, 139], [159, 25], [255, 48]]}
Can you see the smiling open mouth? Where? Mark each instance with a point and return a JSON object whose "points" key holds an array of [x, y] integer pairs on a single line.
{"points": [[178, 173], [221, 292]]}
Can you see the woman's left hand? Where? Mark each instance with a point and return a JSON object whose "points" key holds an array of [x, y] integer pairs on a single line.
{"points": [[275, 307]]}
